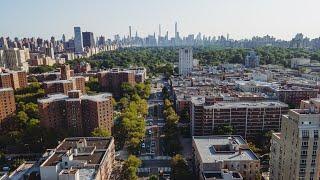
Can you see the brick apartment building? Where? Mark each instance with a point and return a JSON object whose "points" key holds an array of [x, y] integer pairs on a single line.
{"points": [[64, 86], [13, 79], [112, 80], [7, 104], [294, 95], [247, 118], [77, 113]]}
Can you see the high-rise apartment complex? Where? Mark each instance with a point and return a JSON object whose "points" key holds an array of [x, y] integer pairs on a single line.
{"points": [[185, 61], [112, 80], [295, 151], [7, 104], [78, 114], [88, 39], [65, 72], [248, 119], [78, 44], [13, 79], [63, 86]]}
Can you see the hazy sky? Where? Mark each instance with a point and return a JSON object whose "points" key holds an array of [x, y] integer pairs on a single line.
{"points": [[239, 18]]}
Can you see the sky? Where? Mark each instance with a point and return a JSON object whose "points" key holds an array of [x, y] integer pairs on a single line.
{"points": [[240, 18]]}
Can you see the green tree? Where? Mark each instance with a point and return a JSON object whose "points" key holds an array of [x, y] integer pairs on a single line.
{"points": [[179, 168], [100, 132], [130, 167], [153, 177], [223, 130]]}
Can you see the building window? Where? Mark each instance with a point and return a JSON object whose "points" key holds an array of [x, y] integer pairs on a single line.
{"points": [[304, 143], [315, 133], [305, 133]]}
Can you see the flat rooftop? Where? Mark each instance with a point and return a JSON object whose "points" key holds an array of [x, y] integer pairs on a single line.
{"points": [[239, 104], [260, 104], [5, 89], [220, 148], [94, 158], [53, 97]]}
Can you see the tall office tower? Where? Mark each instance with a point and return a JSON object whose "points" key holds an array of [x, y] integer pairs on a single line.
{"points": [[295, 150], [78, 45], [130, 32], [159, 31], [49, 52], [185, 61], [3, 43], [7, 104], [65, 72], [63, 39], [88, 39], [176, 30], [77, 113], [101, 41]]}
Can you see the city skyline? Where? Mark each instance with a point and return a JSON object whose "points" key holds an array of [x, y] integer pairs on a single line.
{"points": [[241, 19]]}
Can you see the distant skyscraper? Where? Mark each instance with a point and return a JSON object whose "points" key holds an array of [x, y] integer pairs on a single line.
{"points": [[130, 32], [63, 38], [185, 61], [78, 46], [176, 30], [88, 39], [49, 52]]}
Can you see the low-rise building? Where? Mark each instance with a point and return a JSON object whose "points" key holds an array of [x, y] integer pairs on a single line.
{"points": [[80, 158], [213, 155]]}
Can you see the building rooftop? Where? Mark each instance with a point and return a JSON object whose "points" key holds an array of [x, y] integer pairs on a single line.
{"points": [[89, 150], [52, 98], [5, 89], [98, 97], [57, 81], [223, 148]]}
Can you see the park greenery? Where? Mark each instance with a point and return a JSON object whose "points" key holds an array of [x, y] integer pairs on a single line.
{"points": [[160, 60], [41, 69]]}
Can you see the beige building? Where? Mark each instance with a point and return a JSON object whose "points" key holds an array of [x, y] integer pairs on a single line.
{"points": [[213, 155], [80, 158], [15, 58], [294, 151]]}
